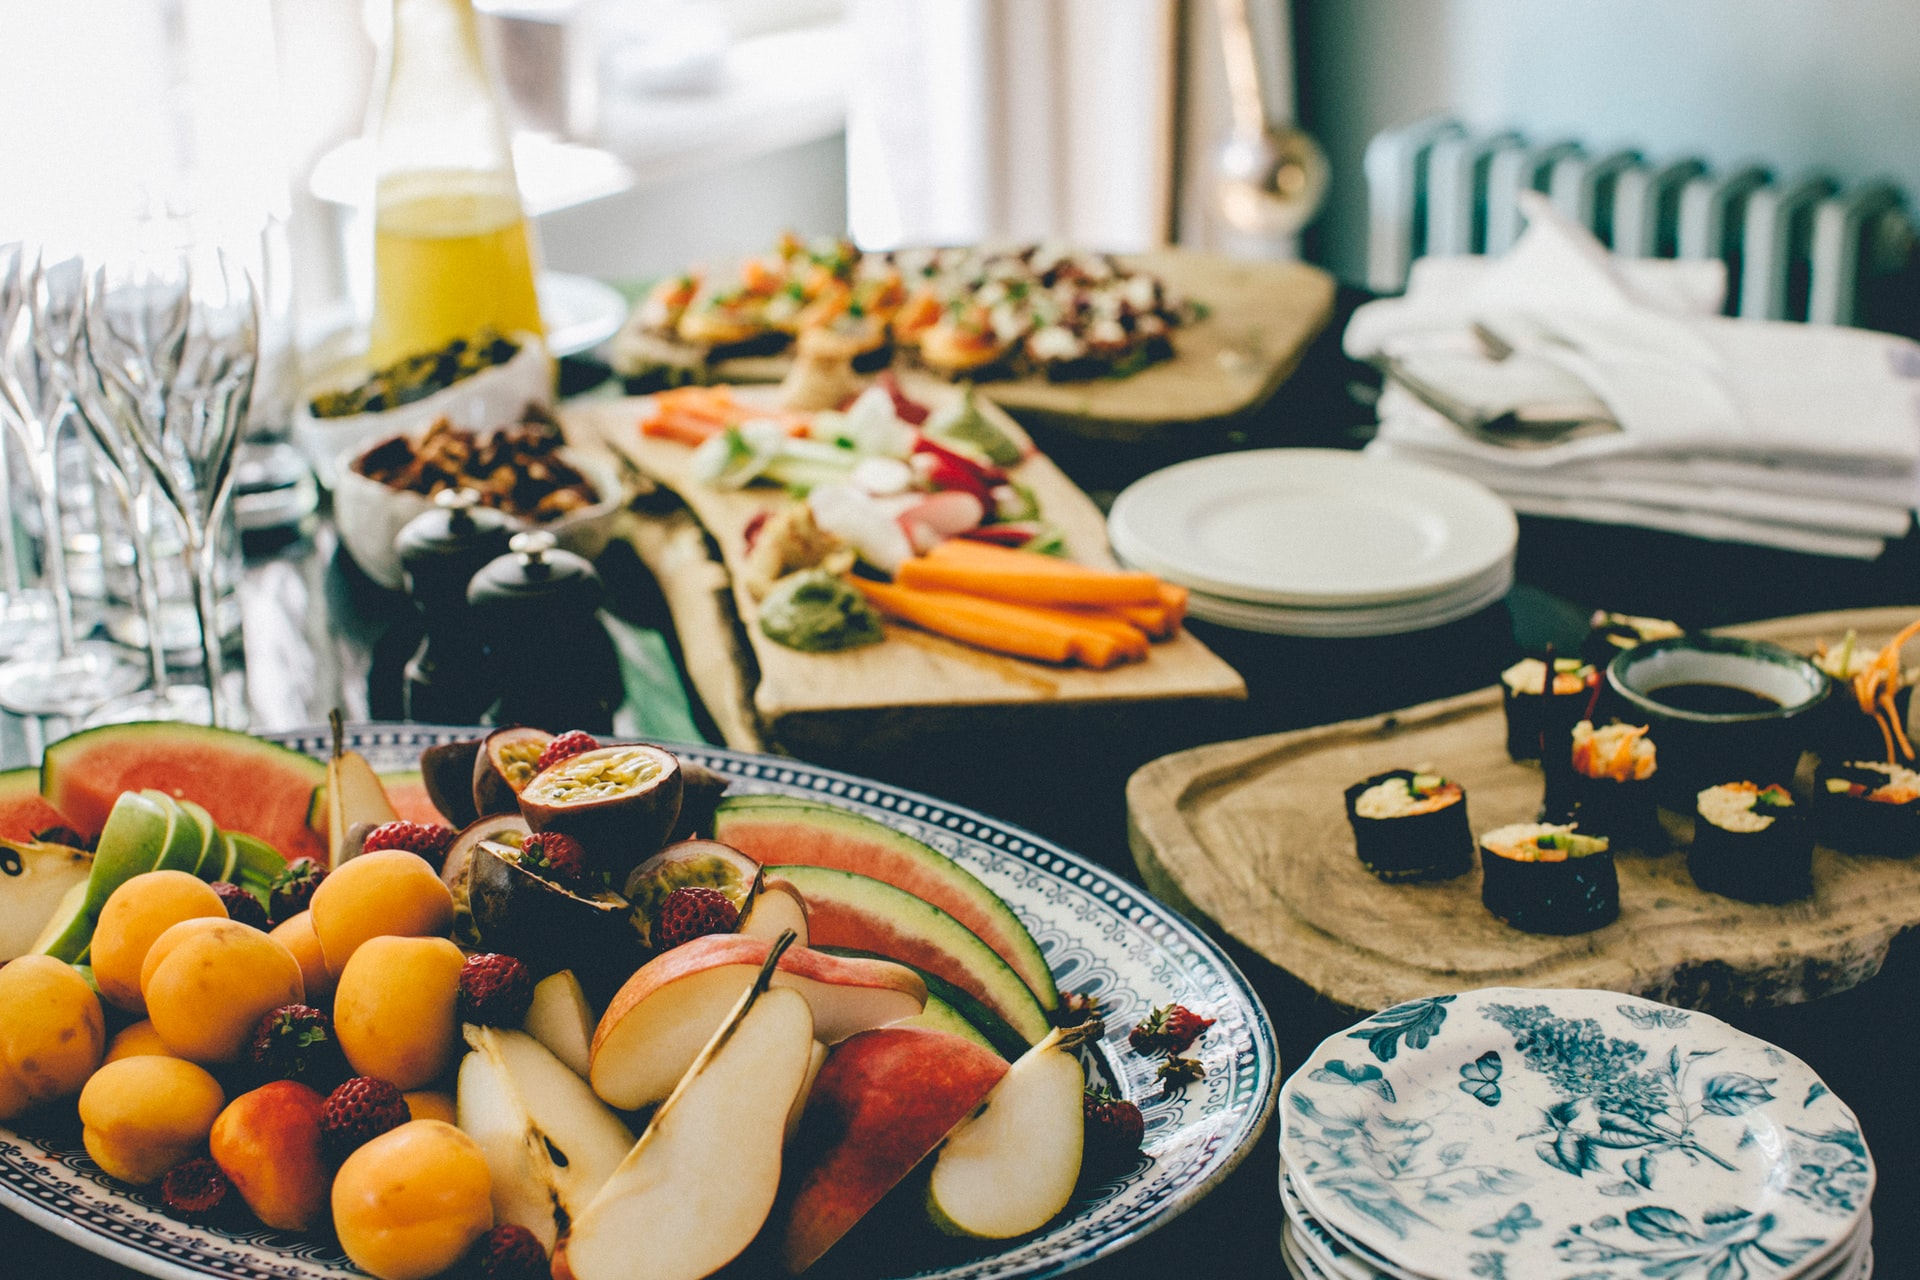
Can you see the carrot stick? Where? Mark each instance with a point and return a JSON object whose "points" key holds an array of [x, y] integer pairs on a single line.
{"points": [[1174, 597], [979, 568], [1047, 635], [1158, 621], [689, 431]]}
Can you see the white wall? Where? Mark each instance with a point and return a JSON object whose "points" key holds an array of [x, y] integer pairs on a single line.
{"points": [[1794, 83]]}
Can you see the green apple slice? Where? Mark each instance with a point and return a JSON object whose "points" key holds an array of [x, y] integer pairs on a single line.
{"points": [[213, 850], [181, 852]]}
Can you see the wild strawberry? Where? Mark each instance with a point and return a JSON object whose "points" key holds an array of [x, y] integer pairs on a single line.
{"points": [[1170, 1029], [429, 840], [293, 888], [296, 1042], [241, 905], [693, 911], [358, 1112], [509, 1252], [570, 743], [495, 990], [558, 856], [195, 1189], [1114, 1129], [1178, 1073]]}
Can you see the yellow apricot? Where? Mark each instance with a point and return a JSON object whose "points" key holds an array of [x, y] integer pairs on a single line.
{"points": [[386, 893], [393, 1012], [138, 1040], [139, 911], [410, 1203], [52, 1032], [144, 1115], [213, 983], [430, 1104], [296, 934]]}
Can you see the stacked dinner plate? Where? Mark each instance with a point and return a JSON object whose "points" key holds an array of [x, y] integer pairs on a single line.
{"points": [[1319, 542], [1513, 1134]]}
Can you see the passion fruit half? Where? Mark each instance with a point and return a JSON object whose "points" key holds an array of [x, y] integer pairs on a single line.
{"points": [[446, 770], [551, 927], [457, 871], [701, 792], [618, 802], [504, 766], [706, 864]]}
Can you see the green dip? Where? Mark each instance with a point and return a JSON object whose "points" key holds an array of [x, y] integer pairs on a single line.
{"points": [[815, 611]]}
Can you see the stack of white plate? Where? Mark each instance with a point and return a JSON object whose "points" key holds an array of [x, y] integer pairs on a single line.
{"points": [[1319, 542], [1513, 1134]]}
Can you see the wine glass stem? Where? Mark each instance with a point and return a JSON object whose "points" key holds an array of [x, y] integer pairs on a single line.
{"points": [[146, 577], [10, 581], [46, 475], [205, 551]]}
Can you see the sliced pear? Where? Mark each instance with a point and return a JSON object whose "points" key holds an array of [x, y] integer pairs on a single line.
{"points": [[35, 879], [799, 1108], [1010, 1167], [354, 795], [696, 1188], [774, 909], [561, 1019], [550, 1144]]}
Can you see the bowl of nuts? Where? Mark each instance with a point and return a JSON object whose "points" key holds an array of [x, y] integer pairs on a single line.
{"points": [[524, 469]]}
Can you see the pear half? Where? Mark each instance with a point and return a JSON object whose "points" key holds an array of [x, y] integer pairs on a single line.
{"points": [[697, 1187]]}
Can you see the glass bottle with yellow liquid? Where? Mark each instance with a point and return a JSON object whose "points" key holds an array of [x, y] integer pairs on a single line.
{"points": [[453, 254]]}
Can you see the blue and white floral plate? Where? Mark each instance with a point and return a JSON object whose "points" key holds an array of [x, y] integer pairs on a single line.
{"points": [[1099, 934], [1510, 1132]]}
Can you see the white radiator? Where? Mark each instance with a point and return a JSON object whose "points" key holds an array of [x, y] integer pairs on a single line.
{"points": [[1796, 248]]}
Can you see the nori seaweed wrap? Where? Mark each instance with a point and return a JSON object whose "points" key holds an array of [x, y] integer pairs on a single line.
{"points": [[1410, 826], [1540, 711], [1611, 634], [1543, 878], [1605, 780], [1751, 843], [1868, 807], [1866, 717]]}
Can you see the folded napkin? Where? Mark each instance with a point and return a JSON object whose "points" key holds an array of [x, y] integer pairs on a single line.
{"points": [[1680, 381]]}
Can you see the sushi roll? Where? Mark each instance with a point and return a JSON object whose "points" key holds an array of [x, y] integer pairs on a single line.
{"points": [[1539, 711], [1546, 878], [1751, 843], [1611, 634], [1605, 779], [1868, 807], [1872, 697], [1410, 826]]}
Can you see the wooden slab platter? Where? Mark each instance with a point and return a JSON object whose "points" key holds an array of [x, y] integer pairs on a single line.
{"points": [[1253, 834], [1260, 318], [910, 668]]}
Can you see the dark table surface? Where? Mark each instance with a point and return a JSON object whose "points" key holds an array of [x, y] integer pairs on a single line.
{"points": [[321, 635]]}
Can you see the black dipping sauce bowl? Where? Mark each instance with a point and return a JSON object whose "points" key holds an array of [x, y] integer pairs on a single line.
{"points": [[1719, 709]]}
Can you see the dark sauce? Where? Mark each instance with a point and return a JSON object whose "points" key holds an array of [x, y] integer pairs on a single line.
{"points": [[1708, 698]]}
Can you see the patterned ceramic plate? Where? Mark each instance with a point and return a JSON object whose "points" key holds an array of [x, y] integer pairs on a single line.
{"points": [[1099, 934], [1509, 1133]]}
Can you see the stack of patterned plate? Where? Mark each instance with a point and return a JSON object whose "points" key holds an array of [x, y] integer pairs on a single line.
{"points": [[1514, 1134], [1319, 542]]}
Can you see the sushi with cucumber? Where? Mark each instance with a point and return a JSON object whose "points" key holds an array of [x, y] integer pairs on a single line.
{"points": [[1410, 826], [1868, 807], [1611, 634], [1541, 710], [1605, 779], [1752, 843], [1548, 878]]}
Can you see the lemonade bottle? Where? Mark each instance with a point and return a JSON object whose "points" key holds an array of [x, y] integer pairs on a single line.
{"points": [[452, 250]]}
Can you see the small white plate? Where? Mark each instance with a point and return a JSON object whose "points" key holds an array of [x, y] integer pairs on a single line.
{"points": [[1312, 527], [578, 312], [1385, 620]]}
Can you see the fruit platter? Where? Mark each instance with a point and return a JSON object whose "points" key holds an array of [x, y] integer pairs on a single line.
{"points": [[406, 1001]]}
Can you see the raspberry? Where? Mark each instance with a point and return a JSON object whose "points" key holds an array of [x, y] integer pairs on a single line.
{"points": [[693, 911], [195, 1189], [1170, 1029], [293, 888], [1114, 1129], [509, 1252], [241, 905], [358, 1112], [556, 854], [429, 840], [296, 1042], [495, 990], [570, 743]]}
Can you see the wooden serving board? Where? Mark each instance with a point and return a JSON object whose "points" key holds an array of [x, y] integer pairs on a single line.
{"points": [[1254, 835], [1260, 317], [910, 668]]}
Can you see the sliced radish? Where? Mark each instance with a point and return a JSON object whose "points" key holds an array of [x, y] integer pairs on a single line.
{"points": [[865, 523]]}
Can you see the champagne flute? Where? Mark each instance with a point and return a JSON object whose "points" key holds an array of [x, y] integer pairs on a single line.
{"points": [[43, 312]]}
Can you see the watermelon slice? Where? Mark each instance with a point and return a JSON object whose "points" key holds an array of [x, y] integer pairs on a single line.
{"points": [[248, 784], [408, 795], [23, 810], [779, 830]]}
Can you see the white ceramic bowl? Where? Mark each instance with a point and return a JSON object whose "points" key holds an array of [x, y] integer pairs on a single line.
{"points": [[370, 515], [490, 398]]}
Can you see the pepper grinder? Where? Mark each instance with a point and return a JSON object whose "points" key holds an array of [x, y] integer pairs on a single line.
{"points": [[536, 611], [440, 551]]}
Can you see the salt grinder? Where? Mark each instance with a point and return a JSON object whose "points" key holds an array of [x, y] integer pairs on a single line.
{"points": [[536, 611], [440, 551]]}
